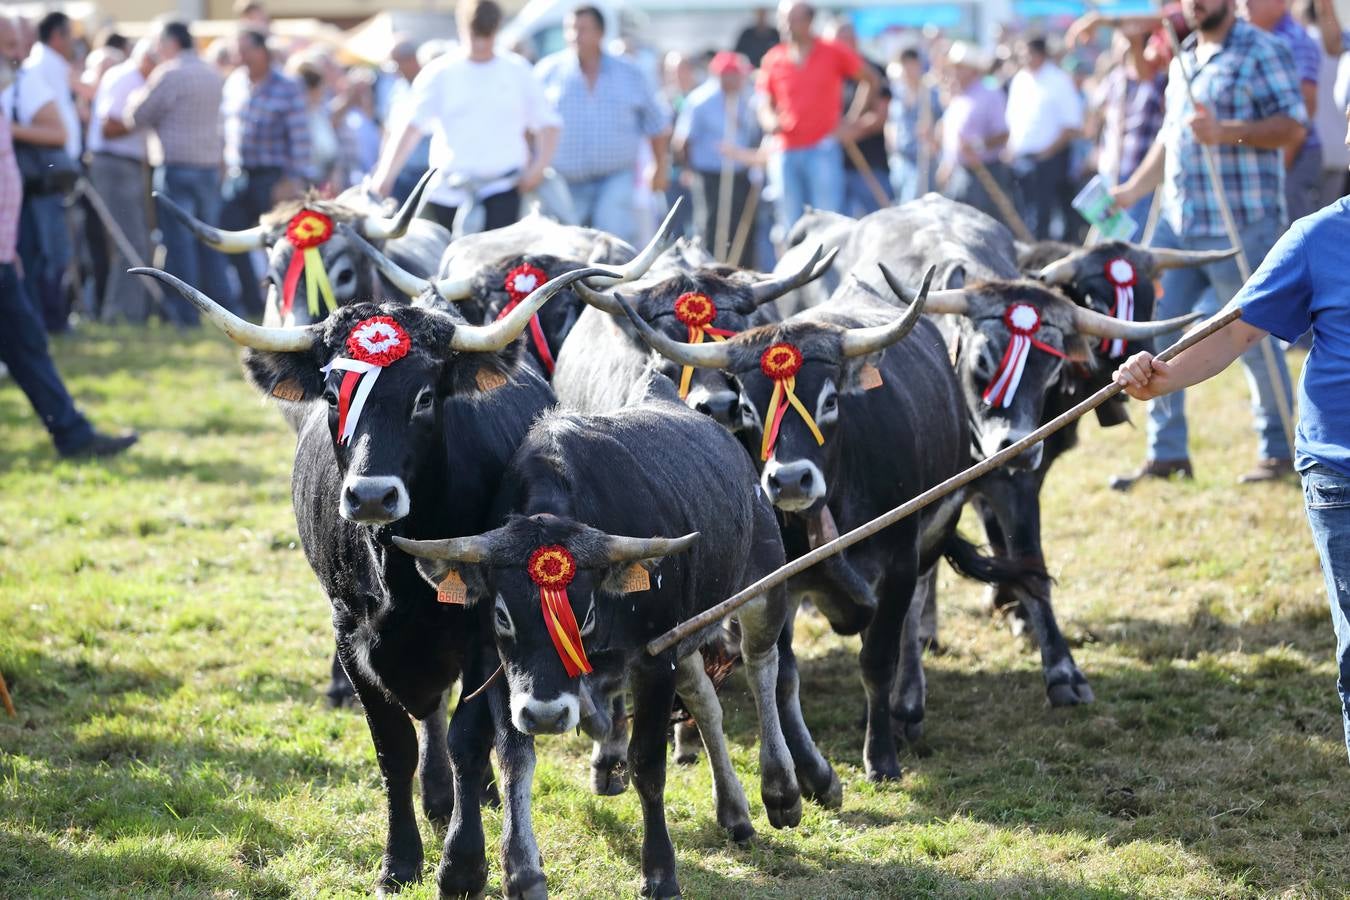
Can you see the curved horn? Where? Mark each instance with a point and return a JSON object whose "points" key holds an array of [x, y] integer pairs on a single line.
{"points": [[462, 550], [862, 341], [246, 334], [1091, 322], [1180, 259], [216, 238], [398, 276], [630, 549], [954, 302], [712, 355], [1061, 271], [379, 228], [638, 265], [455, 287], [606, 301], [496, 335], [816, 266]]}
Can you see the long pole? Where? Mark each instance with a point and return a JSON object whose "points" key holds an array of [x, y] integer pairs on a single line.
{"points": [[1244, 265], [1011, 217], [119, 236], [925, 158], [725, 182], [860, 163], [747, 222], [933, 494]]}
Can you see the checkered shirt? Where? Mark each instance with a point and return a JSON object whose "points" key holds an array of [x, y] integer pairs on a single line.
{"points": [[1307, 58], [266, 125], [11, 194], [181, 104]]}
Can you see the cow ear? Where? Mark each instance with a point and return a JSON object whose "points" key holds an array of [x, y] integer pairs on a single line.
{"points": [[293, 376], [862, 373], [1078, 349], [629, 578], [480, 373], [456, 584]]}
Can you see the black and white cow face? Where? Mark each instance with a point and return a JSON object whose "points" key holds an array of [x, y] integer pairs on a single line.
{"points": [[550, 589], [349, 274]]}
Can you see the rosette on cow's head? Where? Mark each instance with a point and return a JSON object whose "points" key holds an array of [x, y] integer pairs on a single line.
{"points": [[552, 568], [520, 282], [307, 231], [696, 311], [780, 363], [373, 344]]}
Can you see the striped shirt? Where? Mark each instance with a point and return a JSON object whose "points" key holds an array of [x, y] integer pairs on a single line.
{"points": [[181, 104], [11, 194], [603, 127], [266, 124], [1249, 78], [1132, 115], [1307, 59]]}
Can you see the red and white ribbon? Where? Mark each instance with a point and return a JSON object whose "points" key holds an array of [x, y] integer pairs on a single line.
{"points": [[1122, 276], [520, 283], [1023, 321], [373, 344]]}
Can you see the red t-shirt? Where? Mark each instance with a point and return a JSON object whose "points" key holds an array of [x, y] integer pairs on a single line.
{"points": [[809, 96]]}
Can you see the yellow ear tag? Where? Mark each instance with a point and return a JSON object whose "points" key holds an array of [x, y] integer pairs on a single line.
{"points": [[489, 379], [288, 389], [636, 579], [870, 377], [452, 590]]}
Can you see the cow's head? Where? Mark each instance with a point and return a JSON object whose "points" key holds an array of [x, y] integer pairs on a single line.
{"points": [[384, 371], [314, 225], [790, 376], [555, 586], [1009, 343], [708, 303]]}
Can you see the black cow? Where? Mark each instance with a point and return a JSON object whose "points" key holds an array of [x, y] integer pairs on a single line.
{"points": [[447, 408], [484, 272], [576, 482], [415, 243], [869, 421], [993, 314]]}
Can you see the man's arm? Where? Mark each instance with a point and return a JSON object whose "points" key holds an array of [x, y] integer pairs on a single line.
{"points": [[1329, 26], [1146, 377], [1273, 133], [1145, 179], [399, 146], [869, 86], [148, 106], [46, 129], [660, 161], [545, 147]]}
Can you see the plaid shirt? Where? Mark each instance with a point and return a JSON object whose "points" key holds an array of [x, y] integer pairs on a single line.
{"points": [[181, 103], [602, 127], [266, 125], [1251, 77], [11, 194], [1307, 59], [1132, 117]]}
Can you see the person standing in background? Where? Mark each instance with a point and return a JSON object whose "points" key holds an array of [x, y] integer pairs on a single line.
{"points": [[117, 170], [398, 106], [1045, 115], [757, 38], [267, 147], [974, 132], [867, 134], [180, 103], [1130, 99], [679, 82], [915, 110], [1324, 27], [608, 107]]}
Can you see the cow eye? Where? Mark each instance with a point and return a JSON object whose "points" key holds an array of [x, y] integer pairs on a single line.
{"points": [[330, 396], [426, 399], [502, 619], [830, 403], [346, 277], [589, 624]]}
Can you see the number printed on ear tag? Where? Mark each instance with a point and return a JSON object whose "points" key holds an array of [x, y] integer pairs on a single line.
{"points": [[288, 389], [636, 579], [489, 379], [452, 590], [870, 377]]}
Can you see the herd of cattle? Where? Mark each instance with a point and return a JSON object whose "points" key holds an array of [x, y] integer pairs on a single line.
{"points": [[561, 448]]}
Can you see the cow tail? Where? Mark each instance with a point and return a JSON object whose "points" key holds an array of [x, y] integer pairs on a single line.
{"points": [[966, 558]]}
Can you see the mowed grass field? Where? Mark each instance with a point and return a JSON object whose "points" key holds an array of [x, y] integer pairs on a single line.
{"points": [[167, 647]]}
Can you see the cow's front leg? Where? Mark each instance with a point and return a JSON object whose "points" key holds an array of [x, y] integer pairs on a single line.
{"points": [[522, 868], [909, 699], [340, 692], [434, 770], [463, 869], [761, 626], [880, 651], [608, 776], [395, 742], [653, 697], [699, 696], [818, 781]]}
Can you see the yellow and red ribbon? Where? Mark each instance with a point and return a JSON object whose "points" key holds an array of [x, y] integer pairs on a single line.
{"points": [[781, 363], [553, 568], [697, 311], [307, 231], [520, 283]]}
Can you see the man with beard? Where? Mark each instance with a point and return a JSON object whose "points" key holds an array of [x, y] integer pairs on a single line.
{"points": [[1248, 109]]}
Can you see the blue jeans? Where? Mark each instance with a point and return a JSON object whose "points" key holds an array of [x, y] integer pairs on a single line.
{"points": [[247, 196], [905, 177], [808, 176], [1186, 290], [45, 247], [24, 350], [1326, 496], [858, 197], [195, 189], [606, 203]]}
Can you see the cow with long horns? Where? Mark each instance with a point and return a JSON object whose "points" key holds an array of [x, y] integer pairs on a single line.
{"points": [[420, 414], [850, 420], [569, 602], [1012, 341], [311, 266], [487, 273]]}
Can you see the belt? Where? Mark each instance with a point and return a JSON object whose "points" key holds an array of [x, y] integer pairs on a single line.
{"points": [[121, 157]]}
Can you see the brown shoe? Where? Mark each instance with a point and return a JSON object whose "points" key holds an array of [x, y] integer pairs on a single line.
{"points": [[1153, 468], [1267, 470]]}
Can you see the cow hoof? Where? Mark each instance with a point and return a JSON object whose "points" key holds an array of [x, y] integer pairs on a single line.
{"points": [[526, 886], [831, 796], [608, 781], [687, 758], [741, 832], [440, 824], [462, 879], [395, 876], [341, 698], [1069, 694], [848, 620], [782, 815], [660, 887], [888, 770]]}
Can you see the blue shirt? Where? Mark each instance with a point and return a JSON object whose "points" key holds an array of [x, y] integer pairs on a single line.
{"points": [[906, 114], [1251, 77], [602, 127], [703, 119], [1307, 59], [1302, 284]]}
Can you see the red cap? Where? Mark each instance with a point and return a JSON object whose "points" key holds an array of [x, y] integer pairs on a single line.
{"points": [[730, 61]]}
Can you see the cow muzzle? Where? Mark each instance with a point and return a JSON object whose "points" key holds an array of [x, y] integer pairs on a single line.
{"points": [[723, 407], [1027, 461], [793, 486], [533, 716], [374, 500]]}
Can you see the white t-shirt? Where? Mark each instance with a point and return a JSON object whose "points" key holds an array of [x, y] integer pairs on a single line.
{"points": [[1040, 106], [52, 69], [119, 83], [33, 96], [478, 115]]}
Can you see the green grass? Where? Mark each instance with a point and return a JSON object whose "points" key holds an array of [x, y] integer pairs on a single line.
{"points": [[167, 647]]}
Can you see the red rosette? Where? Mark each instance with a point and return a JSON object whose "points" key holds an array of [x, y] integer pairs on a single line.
{"points": [[522, 280], [695, 310], [308, 228], [1022, 318], [379, 341], [1120, 272], [781, 361], [552, 567]]}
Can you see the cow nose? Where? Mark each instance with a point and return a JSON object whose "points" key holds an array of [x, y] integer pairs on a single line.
{"points": [[719, 406], [544, 720], [793, 485], [1026, 461], [374, 500]]}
